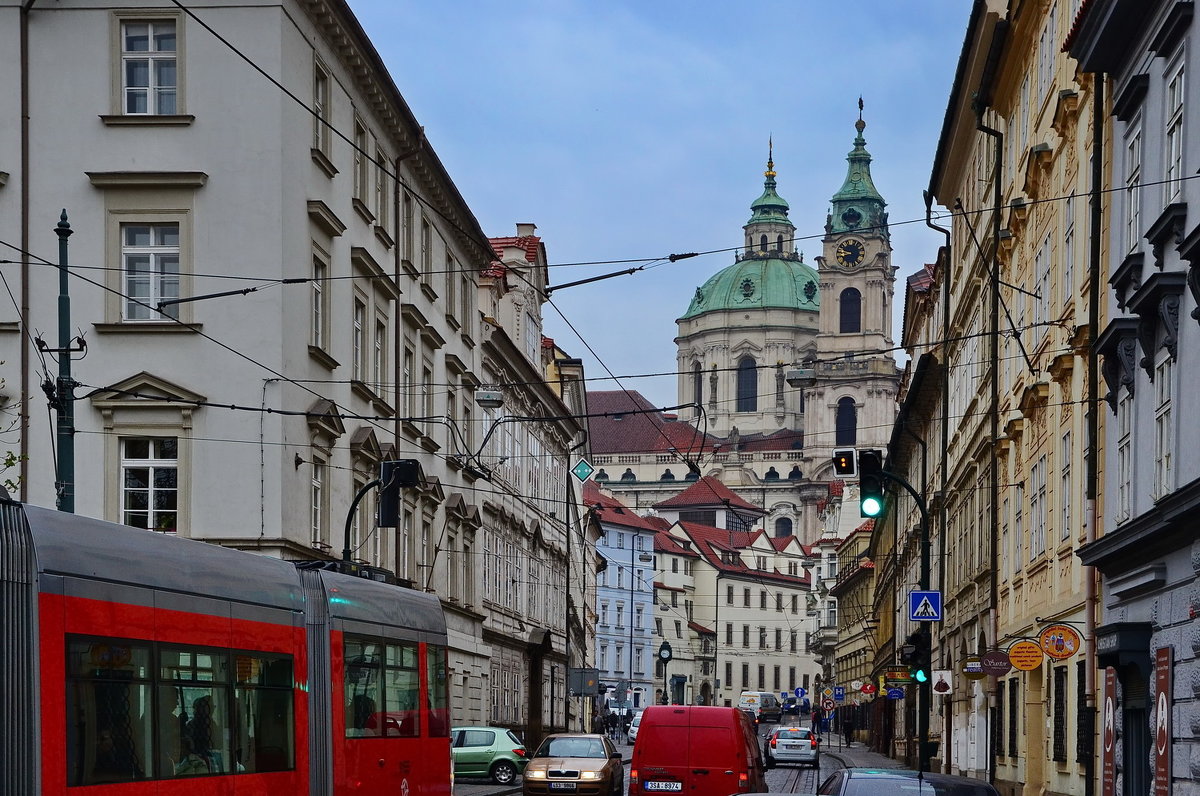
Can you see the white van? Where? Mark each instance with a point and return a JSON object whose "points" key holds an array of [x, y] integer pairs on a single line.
{"points": [[763, 704]]}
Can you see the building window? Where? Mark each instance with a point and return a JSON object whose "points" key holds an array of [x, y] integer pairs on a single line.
{"points": [[1041, 302], [746, 598], [150, 483], [746, 636], [729, 634], [762, 677], [381, 190], [792, 638], [762, 600], [426, 248], [762, 638], [406, 219], [149, 82], [747, 385], [1068, 267], [846, 423], [320, 272], [678, 629], [320, 109], [1068, 487], [317, 524], [1124, 454], [778, 643], [1164, 434], [831, 613], [783, 527], [1133, 185], [620, 613], [1014, 715], [1037, 509], [358, 339], [150, 264], [850, 311], [776, 678], [362, 162], [1060, 713], [1018, 527], [745, 676], [729, 595], [1174, 143], [379, 360]]}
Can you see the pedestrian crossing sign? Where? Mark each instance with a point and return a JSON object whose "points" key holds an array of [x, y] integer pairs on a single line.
{"points": [[925, 606]]}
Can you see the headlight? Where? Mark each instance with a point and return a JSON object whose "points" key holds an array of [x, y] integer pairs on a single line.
{"points": [[589, 775], [536, 773]]}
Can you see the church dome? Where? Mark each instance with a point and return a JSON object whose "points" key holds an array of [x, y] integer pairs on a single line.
{"points": [[758, 283], [770, 274]]}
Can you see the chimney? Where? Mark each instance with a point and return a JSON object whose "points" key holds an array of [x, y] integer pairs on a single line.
{"points": [[525, 230]]}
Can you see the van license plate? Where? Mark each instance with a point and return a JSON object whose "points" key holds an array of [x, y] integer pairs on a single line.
{"points": [[664, 786], [562, 786]]}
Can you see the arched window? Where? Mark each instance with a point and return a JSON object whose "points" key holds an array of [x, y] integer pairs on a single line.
{"points": [[846, 423], [778, 243], [697, 385], [850, 304], [783, 527], [762, 243], [747, 385]]}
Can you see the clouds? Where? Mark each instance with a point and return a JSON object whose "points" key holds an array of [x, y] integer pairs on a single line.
{"points": [[629, 129]]}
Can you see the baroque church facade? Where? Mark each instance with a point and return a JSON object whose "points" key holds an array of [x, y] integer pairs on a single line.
{"points": [[780, 361]]}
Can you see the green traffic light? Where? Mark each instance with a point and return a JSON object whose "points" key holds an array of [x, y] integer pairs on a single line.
{"points": [[920, 675], [871, 506]]}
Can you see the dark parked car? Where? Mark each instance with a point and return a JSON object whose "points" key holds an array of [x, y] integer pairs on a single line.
{"points": [[791, 706], [901, 782]]}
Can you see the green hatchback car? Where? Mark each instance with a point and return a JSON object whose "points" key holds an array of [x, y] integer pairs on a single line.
{"points": [[492, 752]]}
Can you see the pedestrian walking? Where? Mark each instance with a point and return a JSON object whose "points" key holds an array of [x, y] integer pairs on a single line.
{"points": [[848, 728]]}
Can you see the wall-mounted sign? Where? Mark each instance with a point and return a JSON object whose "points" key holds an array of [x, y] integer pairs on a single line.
{"points": [[996, 663], [1025, 656], [895, 693], [867, 688], [1108, 752], [942, 682], [1162, 721], [973, 668], [1059, 641]]}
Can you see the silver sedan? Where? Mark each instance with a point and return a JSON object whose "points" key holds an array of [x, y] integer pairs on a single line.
{"points": [[792, 745]]}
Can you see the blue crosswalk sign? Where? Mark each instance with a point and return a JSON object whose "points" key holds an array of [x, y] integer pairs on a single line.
{"points": [[925, 606]]}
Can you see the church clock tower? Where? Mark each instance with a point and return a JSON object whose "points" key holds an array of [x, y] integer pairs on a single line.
{"points": [[853, 400]]}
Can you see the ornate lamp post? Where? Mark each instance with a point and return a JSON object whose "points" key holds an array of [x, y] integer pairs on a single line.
{"points": [[664, 655]]}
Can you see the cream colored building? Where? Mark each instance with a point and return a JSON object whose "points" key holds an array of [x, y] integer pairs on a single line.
{"points": [[1012, 168]]}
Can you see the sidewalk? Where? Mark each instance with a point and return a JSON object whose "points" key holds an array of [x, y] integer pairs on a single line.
{"points": [[857, 755]]}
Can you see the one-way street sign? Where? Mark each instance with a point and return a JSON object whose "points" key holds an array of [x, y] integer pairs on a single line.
{"points": [[925, 606]]}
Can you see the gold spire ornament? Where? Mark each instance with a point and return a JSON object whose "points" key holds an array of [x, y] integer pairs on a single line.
{"points": [[770, 172]]}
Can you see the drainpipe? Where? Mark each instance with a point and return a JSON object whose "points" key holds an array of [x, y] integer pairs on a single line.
{"points": [[1091, 598], [945, 458], [994, 360], [23, 410]]}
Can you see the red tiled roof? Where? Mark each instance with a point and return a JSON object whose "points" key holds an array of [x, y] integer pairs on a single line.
{"points": [[610, 510], [711, 541], [634, 425], [527, 242], [659, 523], [658, 584], [699, 628], [1075, 24], [708, 491], [837, 488], [868, 525], [666, 543]]}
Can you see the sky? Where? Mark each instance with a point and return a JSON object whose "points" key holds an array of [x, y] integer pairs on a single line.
{"points": [[635, 129]]}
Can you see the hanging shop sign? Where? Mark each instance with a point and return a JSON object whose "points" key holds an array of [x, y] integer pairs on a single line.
{"points": [[996, 663], [1025, 656], [973, 668], [1059, 641]]}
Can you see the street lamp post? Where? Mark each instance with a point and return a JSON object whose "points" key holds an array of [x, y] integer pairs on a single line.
{"points": [[664, 655]]}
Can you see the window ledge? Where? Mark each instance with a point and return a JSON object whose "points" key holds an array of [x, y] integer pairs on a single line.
{"points": [[142, 327], [324, 163], [427, 289], [147, 120], [381, 234], [407, 267], [363, 211], [362, 390], [322, 356]]}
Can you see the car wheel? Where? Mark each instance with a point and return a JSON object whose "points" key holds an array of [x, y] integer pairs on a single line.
{"points": [[504, 772]]}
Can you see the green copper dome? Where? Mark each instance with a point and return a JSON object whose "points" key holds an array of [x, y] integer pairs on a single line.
{"points": [[756, 283], [769, 275]]}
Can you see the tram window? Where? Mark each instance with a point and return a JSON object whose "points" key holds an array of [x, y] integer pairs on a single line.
{"points": [[363, 688], [137, 710], [439, 689], [263, 731], [108, 710], [402, 690], [382, 674]]}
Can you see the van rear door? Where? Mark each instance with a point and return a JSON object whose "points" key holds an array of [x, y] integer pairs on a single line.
{"points": [[714, 760]]}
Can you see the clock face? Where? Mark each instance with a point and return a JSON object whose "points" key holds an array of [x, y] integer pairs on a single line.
{"points": [[665, 654], [850, 252]]}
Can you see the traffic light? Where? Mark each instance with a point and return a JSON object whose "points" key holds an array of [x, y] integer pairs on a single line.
{"points": [[394, 476], [870, 483], [915, 654], [843, 462]]}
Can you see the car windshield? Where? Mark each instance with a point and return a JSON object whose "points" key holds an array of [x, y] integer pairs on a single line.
{"points": [[800, 733], [571, 747], [911, 786]]}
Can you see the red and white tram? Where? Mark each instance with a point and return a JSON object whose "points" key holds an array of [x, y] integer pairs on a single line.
{"points": [[132, 662]]}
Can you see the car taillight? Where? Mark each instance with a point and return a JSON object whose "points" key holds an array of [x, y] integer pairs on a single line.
{"points": [[743, 781], [814, 741], [633, 777], [774, 741], [519, 752]]}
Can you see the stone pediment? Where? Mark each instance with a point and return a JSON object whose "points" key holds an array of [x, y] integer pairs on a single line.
{"points": [[144, 390]]}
